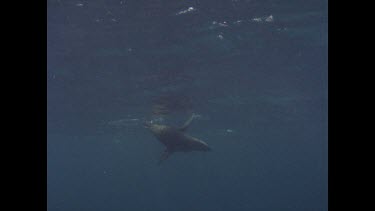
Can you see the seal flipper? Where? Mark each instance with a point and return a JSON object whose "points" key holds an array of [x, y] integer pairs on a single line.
{"points": [[188, 122], [165, 155]]}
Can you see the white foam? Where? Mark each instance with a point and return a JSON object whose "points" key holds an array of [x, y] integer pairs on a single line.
{"points": [[188, 10], [269, 19]]}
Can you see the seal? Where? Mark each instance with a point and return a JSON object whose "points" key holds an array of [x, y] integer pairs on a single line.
{"points": [[175, 139]]}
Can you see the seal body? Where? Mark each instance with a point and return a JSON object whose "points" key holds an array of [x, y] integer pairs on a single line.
{"points": [[176, 140]]}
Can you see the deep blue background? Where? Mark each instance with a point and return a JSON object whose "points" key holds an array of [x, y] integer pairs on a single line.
{"points": [[261, 91]]}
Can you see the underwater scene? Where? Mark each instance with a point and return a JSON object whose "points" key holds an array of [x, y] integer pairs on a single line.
{"points": [[191, 105]]}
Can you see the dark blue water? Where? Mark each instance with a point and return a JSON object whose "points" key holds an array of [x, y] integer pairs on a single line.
{"points": [[255, 71]]}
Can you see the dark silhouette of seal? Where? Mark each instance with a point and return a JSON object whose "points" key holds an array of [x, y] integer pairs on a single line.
{"points": [[175, 139]]}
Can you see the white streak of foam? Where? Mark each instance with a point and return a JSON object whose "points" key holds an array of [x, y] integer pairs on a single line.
{"points": [[188, 10]]}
